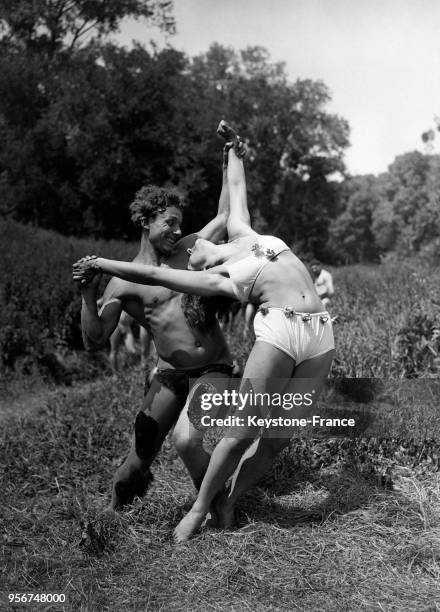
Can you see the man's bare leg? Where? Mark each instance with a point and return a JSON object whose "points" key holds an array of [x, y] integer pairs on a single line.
{"points": [[151, 426], [187, 439], [115, 341], [189, 445]]}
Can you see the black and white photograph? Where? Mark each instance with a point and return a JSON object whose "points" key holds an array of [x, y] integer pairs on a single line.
{"points": [[220, 305]]}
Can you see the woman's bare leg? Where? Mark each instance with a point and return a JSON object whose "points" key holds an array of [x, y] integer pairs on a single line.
{"points": [[309, 376], [265, 364]]}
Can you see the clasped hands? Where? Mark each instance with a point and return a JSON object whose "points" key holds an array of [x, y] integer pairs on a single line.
{"points": [[86, 269]]}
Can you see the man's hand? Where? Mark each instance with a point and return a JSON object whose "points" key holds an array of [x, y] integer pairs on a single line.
{"points": [[86, 271], [239, 147]]}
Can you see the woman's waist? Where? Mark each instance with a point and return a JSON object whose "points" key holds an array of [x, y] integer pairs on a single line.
{"points": [[301, 303], [289, 289]]}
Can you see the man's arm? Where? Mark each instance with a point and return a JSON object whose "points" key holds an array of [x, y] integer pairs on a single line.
{"points": [[98, 327], [215, 230]]}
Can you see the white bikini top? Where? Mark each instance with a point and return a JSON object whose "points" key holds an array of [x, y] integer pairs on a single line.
{"points": [[244, 272]]}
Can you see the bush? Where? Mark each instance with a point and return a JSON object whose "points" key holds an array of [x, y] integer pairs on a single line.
{"points": [[40, 304]]}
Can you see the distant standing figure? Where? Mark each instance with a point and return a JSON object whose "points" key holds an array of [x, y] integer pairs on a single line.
{"points": [[124, 335], [323, 282]]}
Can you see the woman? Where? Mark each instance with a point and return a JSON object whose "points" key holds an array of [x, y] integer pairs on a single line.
{"points": [[294, 343]]}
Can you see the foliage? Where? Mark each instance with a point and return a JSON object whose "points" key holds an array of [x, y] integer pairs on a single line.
{"points": [[387, 315], [97, 122], [398, 211], [295, 145], [388, 320], [351, 236], [84, 124], [51, 26], [40, 305]]}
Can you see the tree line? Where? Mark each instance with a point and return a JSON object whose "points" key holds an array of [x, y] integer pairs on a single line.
{"points": [[84, 123]]}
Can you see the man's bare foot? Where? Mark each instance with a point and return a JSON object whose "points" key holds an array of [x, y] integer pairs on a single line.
{"points": [[125, 489], [188, 526]]}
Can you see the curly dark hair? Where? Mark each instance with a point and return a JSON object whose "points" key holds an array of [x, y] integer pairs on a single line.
{"points": [[150, 200]]}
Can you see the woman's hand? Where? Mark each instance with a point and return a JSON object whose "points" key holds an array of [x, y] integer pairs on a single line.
{"points": [[86, 269]]}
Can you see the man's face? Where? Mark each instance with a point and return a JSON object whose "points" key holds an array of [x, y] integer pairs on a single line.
{"points": [[316, 269], [165, 229]]}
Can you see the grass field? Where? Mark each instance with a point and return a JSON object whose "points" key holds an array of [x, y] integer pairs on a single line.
{"points": [[336, 524], [329, 528]]}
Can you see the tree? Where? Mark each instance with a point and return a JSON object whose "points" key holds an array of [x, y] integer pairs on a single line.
{"points": [[412, 191], [55, 90], [82, 148], [396, 211], [294, 144], [48, 26], [351, 236]]}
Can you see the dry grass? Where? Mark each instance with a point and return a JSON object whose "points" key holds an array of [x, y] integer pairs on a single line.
{"points": [[311, 537]]}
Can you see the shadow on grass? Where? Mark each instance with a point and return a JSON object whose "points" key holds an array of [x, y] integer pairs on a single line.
{"points": [[310, 496]]}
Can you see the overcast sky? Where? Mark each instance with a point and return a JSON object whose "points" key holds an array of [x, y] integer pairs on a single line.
{"points": [[380, 59]]}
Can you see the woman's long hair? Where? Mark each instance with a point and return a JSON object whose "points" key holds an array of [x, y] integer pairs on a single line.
{"points": [[201, 311]]}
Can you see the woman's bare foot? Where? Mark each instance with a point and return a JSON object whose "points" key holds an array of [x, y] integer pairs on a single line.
{"points": [[188, 526], [232, 140], [226, 132]]}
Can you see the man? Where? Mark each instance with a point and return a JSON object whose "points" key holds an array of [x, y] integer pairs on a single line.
{"points": [[184, 328], [323, 282]]}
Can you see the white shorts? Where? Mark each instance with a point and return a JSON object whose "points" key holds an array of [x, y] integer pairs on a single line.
{"points": [[301, 335]]}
